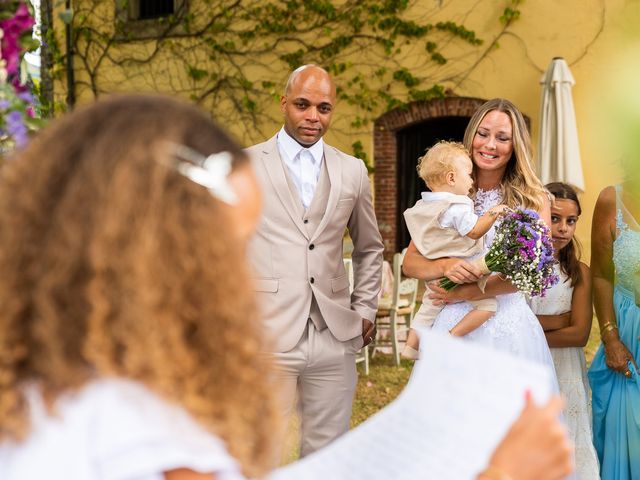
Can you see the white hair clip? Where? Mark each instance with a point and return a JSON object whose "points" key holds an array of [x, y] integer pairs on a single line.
{"points": [[210, 172]]}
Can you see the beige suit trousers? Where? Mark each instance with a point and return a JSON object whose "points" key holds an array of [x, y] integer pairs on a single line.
{"points": [[322, 370]]}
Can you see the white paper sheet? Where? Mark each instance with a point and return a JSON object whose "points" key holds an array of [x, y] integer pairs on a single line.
{"points": [[457, 406]]}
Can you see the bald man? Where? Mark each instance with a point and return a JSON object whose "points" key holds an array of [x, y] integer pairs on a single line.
{"points": [[312, 192]]}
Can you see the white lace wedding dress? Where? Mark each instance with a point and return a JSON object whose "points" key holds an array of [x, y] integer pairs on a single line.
{"points": [[572, 378], [514, 328]]}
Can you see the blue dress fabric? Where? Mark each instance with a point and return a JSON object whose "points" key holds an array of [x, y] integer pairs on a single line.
{"points": [[616, 398]]}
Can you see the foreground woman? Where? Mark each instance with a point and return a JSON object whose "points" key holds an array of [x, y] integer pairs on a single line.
{"points": [[121, 354]]}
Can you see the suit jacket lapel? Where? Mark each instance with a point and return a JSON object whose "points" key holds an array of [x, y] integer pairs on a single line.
{"points": [[275, 170], [334, 169]]}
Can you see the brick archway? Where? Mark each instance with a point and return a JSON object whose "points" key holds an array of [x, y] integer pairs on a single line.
{"points": [[385, 154]]}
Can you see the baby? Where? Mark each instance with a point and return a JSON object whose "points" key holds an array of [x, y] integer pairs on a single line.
{"points": [[443, 224]]}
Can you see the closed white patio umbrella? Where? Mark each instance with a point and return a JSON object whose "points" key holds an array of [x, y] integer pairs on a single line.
{"points": [[558, 149]]}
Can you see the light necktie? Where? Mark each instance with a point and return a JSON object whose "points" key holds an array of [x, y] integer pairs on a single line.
{"points": [[308, 177]]}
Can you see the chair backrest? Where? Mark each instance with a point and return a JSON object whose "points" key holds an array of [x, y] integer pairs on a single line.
{"points": [[348, 267], [405, 290]]}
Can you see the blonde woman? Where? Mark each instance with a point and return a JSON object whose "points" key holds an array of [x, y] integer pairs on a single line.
{"points": [[500, 148]]}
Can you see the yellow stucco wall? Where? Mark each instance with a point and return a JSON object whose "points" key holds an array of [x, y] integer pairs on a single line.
{"points": [[589, 34], [595, 37]]}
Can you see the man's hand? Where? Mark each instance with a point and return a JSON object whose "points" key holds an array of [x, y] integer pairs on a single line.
{"points": [[368, 332]]}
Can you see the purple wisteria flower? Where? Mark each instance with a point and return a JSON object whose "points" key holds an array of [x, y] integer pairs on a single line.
{"points": [[16, 128], [17, 115]]}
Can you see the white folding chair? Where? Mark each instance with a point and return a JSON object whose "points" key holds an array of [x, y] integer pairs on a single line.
{"points": [[363, 354], [395, 314]]}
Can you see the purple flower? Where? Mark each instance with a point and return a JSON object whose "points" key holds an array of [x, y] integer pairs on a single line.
{"points": [[26, 96], [523, 252], [17, 101]]}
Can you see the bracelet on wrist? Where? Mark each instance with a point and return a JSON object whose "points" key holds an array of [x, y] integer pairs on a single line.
{"points": [[495, 474], [608, 327]]}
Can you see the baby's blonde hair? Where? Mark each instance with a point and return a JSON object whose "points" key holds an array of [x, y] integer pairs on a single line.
{"points": [[439, 160]]}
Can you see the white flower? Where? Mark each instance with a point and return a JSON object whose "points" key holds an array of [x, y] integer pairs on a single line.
{"points": [[3, 63]]}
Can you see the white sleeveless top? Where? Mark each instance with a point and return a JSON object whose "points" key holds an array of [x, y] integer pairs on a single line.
{"points": [[113, 430], [557, 299]]}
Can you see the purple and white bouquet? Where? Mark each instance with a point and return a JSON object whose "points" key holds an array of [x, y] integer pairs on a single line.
{"points": [[521, 251]]}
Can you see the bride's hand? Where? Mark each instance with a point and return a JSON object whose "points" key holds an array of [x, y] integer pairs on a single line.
{"points": [[461, 271], [440, 296]]}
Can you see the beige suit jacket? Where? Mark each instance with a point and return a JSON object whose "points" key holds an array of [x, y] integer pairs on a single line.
{"points": [[292, 264]]}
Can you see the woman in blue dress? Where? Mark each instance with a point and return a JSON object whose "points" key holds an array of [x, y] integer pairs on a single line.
{"points": [[615, 269]]}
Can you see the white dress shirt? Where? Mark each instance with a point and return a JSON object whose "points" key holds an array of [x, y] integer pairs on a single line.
{"points": [[303, 164]]}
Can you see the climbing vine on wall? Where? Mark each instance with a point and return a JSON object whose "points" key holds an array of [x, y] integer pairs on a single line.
{"points": [[232, 56]]}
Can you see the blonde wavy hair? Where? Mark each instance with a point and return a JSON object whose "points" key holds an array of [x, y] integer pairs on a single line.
{"points": [[438, 160], [114, 265], [520, 184]]}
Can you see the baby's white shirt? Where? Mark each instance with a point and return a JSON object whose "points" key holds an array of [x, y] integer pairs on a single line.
{"points": [[460, 217]]}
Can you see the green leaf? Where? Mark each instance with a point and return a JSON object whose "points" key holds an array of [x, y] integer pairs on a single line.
{"points": [[196, 73], [403, 75], [28, 43], [436, 91], [438, 58], [358, 152], [249, 104]]}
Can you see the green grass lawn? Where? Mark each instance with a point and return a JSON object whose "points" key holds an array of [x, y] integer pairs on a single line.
{"points": [[384, 383]]}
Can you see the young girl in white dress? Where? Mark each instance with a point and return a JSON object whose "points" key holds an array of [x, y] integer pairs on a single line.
{"points": [[565, 313]]}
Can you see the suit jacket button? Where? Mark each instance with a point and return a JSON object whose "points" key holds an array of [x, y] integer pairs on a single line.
{"points": [[312, 246], [312, 280], [306, 220]]}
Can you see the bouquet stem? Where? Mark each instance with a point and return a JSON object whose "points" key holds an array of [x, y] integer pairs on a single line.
{"points": [[481, 264]]}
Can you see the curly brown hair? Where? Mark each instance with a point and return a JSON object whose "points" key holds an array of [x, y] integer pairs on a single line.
{"points": [[114, 264]]}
